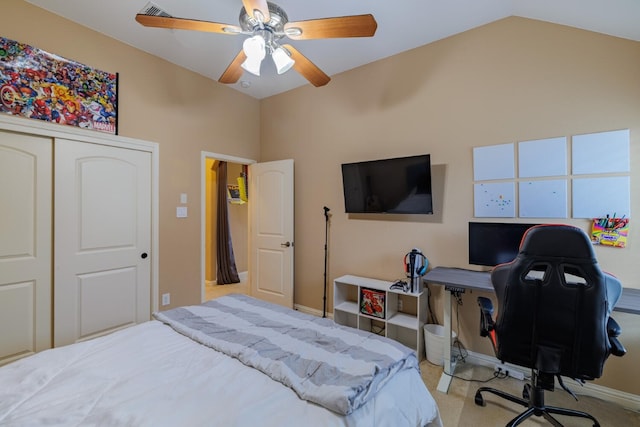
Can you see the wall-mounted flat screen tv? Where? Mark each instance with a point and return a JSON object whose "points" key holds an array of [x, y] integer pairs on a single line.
{"points": [[493, 243], [400, 185]]}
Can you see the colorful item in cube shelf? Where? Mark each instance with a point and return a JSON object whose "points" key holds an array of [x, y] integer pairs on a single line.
{"points": [[372, 303], [610, 231]]}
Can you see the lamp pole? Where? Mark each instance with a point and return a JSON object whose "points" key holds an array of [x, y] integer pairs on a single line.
{"points": [[326, 239]]}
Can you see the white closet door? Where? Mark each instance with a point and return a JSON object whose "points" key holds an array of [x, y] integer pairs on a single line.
{"points": [[102, 267], [25, 245]]}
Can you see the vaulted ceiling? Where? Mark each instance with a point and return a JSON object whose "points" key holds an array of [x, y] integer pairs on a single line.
{"points": [[402, 25]]}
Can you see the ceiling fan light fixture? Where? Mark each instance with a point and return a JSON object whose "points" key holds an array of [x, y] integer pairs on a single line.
{"points": [[252, 65], [255, 49], [283, 61]]}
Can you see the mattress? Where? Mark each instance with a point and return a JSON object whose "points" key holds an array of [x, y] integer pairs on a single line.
{"points": [[151, 375]]}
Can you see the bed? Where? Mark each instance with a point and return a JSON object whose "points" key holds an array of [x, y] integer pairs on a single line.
{"points": [[173, 371]]}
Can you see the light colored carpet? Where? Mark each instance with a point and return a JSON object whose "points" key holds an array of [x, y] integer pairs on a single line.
{"points": [[458, 408]]}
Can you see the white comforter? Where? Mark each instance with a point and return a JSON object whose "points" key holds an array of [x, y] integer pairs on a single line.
{"points": [[149, 375], [335, 366]]}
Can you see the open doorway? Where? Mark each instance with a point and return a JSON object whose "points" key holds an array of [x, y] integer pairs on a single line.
{"points": [[238, 225]]}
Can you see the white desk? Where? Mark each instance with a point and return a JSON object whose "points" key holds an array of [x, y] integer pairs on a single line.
{"points": [[629, 302]]}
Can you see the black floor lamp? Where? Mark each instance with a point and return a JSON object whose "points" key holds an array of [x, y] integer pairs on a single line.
{"points": [[326, 239]]}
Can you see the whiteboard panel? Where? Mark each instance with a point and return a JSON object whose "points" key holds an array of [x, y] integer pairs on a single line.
{"points": [[542, 157], [599, 197], [603, 152], [543, 199], [494, 200], [493, 162]]}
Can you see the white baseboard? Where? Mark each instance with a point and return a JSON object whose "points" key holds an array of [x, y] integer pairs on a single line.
{"points": [[626, 400], [309, 310], [244, 276]]}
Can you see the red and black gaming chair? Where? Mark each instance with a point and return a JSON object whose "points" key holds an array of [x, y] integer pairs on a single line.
{"points": [[554, 307]]}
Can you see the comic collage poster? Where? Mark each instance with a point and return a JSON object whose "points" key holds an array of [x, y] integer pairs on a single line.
{"points": [[40, 85]]}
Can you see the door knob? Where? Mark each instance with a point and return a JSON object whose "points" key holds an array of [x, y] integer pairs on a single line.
{"points": [[144, 255], [285, 245]]}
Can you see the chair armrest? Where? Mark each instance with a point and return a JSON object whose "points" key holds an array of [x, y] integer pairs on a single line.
{"points": [[613, 331], [486, 313]]}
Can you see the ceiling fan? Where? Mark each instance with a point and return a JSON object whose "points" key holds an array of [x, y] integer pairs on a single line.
{"points": [[267, 23]]}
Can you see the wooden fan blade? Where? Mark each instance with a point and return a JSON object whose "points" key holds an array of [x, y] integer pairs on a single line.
{"points": [[325, 28], [261, 6], [307, 68], [186, 24], [234, 70]]}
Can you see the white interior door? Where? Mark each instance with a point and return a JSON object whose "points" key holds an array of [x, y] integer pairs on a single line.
{"points": [[102, 267], [25, 244], [271, 223]]}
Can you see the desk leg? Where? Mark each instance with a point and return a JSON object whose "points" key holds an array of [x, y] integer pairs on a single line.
{"points": [[449, 366]]}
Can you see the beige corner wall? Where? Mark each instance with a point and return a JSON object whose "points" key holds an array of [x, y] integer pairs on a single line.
{"points": [[183, 112], [512, 80]]}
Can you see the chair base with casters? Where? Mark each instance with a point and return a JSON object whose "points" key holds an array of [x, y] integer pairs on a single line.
{"points": [[533, 392], [533, 400]]}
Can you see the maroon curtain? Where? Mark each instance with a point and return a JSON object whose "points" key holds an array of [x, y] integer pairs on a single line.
{"points": [[226, 271]]}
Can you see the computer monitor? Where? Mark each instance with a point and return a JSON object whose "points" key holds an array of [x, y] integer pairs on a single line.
{"points": [[493, 243]]}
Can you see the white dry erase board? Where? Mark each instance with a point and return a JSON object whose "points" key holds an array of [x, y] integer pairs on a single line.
{"points": [[543, 199], [599, 197], [494, 162], [542, 157], [603, 152], [494, 200]]}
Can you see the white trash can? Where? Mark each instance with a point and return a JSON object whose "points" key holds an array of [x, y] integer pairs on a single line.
{"points": [[434, 343]]}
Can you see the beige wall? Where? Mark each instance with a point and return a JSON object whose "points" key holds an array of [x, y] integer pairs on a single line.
{"points": [[183, 112], [513, 80]]}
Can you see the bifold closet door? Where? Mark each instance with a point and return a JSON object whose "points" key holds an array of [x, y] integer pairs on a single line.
{"points": [[25, 245], [102, 267]]}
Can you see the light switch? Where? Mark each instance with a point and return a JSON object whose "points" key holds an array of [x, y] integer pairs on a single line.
{"points": [[181, 212], [183, 198]]}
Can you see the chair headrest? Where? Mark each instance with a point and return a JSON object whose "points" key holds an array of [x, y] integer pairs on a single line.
{"points": [[552, 240]]}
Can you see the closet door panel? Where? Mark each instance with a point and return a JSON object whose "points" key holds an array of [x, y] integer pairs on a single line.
{"points": [[25, 244], [107, 298], [102, 229]]}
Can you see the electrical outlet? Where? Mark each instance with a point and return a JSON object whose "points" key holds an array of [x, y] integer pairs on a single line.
{"points": [[400, 305], [166, 299]]}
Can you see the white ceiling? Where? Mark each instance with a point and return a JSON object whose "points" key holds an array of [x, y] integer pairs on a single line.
{"points": [[402, 25]]}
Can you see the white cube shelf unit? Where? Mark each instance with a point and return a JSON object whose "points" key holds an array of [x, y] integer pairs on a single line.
{"points": [[404, 327]]}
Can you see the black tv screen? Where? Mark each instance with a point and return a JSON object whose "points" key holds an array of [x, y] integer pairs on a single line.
{"points": [[493, 243], [400, 185]]}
